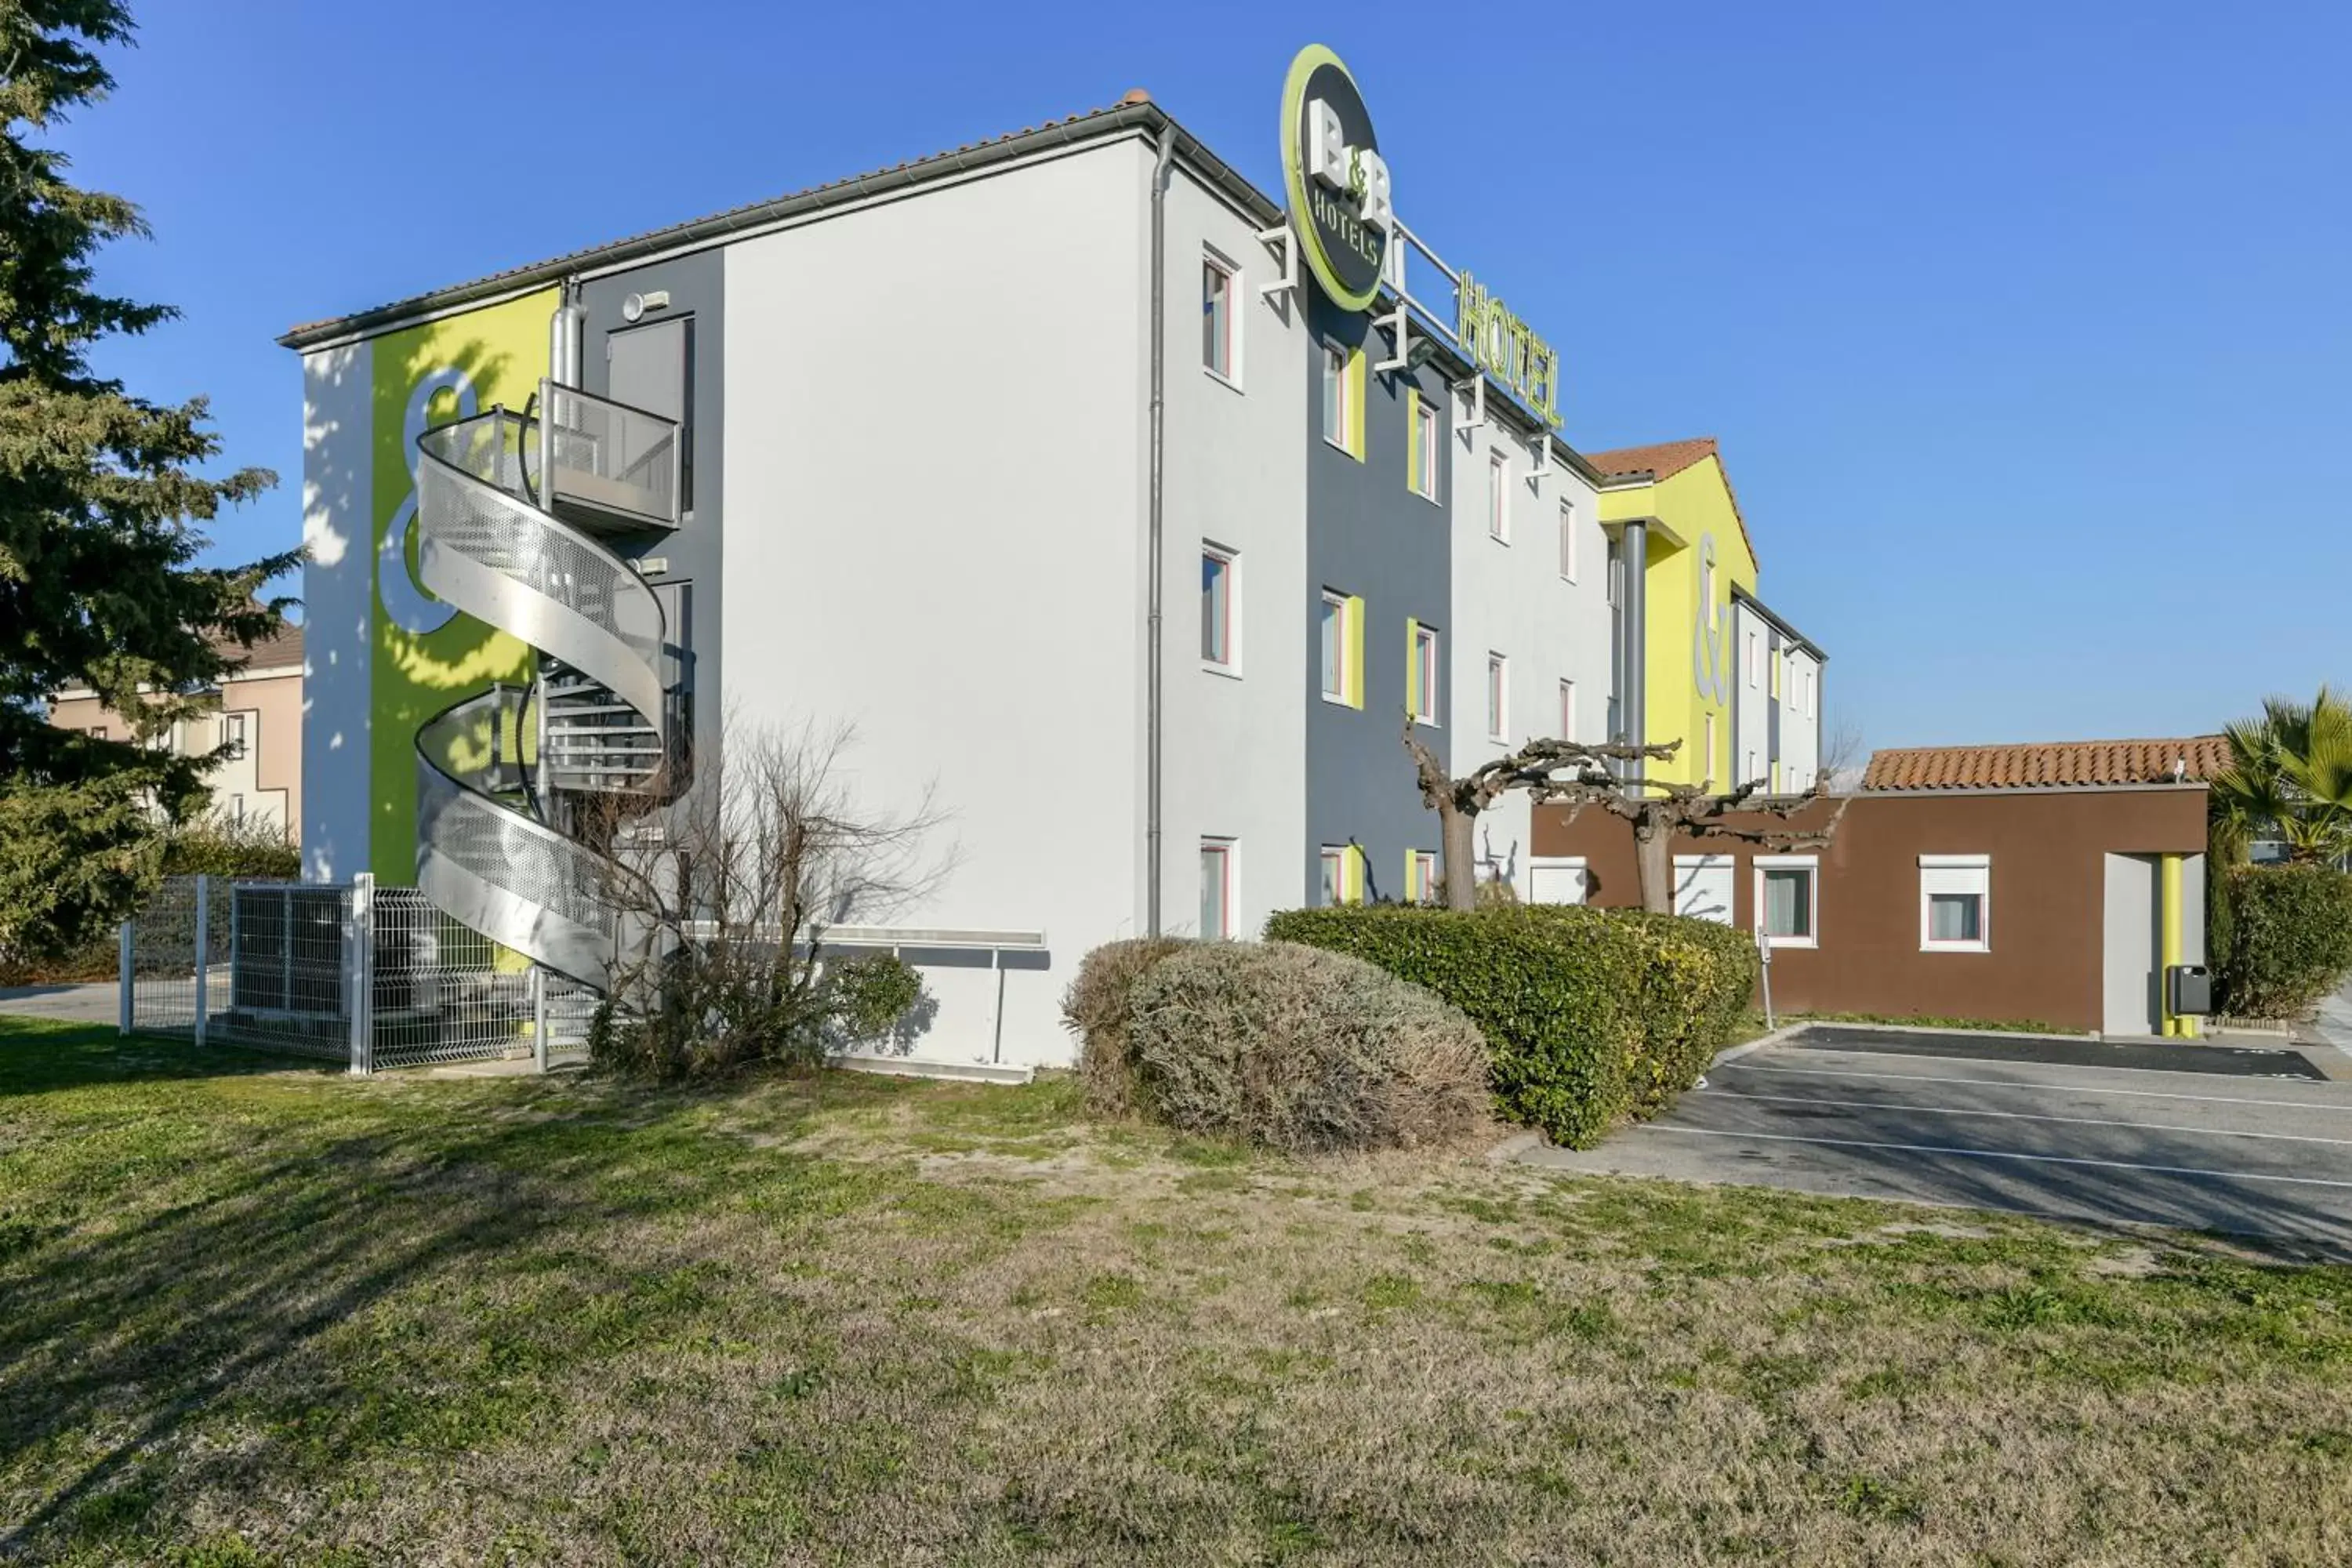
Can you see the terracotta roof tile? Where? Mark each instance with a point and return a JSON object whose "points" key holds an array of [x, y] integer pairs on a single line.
{"points": [[1665, 458], [2059, 765], [1664, 461]]}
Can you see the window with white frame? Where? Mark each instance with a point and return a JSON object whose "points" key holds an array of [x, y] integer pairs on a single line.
{"points": [[1220, 579], [1749, 773], [1499, 697], [1707, 758], [1342, 877], [1706, 590], [1808, 692], [1421, 886], [1423, 459], [236, 809], [1755, 661], [1339, 648], [1788, 900], [1955, 903], [1568, 711], [1423, 698], [1568, 540], [1499, 497], [1216, 889], [1335, 414], [1220, 320]]}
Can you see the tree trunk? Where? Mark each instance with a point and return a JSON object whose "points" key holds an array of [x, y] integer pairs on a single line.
{"points": [[1651, 842], [1460, 857]]}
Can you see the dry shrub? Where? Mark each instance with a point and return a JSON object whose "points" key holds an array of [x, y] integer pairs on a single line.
{"points": [[1297, 1049], [1095, 1008]]}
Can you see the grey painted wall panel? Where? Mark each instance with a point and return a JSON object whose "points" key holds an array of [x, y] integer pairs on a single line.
{"points": [[1368, 534]]}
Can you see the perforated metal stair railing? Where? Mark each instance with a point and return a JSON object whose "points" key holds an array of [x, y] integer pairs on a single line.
{"points": [[487, 852]]}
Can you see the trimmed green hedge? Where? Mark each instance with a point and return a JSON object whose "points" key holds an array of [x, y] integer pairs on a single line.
{"points": [[1593, 1015], [2290, 938]]}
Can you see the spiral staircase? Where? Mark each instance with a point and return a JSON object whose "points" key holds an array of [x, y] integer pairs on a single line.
{"points": [[515, 787]]}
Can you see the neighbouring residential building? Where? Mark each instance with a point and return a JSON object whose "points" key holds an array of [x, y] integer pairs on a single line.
{"points": [[2050, 884], [1696, 657], [1125, 508], [257, 715]]}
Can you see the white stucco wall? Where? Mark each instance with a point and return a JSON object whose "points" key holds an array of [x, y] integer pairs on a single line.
{"points": [[1512, 599], [338, 609], [1752, 674], [934, 491], [1233, 759], [1801, 722]]}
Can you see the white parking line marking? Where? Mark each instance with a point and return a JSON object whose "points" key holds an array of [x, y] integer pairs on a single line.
{"points": [[2022, 1115], [1989, 1155], [2066, 1087]]}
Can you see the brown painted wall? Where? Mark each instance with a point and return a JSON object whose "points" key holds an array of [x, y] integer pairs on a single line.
{"points": [[2046, 914]]}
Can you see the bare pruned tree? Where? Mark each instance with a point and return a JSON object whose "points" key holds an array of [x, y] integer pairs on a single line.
{"points": [[1579, 774], [725, 896]]}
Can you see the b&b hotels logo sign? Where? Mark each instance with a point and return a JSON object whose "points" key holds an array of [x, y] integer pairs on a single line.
{"points": [[1344, 217], [1338, 183]]}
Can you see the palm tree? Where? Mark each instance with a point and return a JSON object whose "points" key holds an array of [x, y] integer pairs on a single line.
{"points": [[2290, 774]]}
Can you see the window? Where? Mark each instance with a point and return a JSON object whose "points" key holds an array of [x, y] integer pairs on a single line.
{"points": [[1706, 588], [1499, 697], [1703, 885], [1755, 664], [1808, 709], [1219, 570], [1343, 649], [1421, 886], [1421, 674], [1748, 775], [1343, 398], [1342, 875], [1499, 497], [1218, 322], [1955, 903], [1422, 449], [98, 733], [1788, 899], [232, 733], [1706, 759], [236, 809], [1616, 574], [1568, 540], [1568, 711], [1216, 889]]}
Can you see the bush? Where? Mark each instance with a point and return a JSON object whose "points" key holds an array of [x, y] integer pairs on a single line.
{"points": [[215, 847], [719, 1006], [1095, 1008], [1590, 1015], [2290, 938], [1299, 1050]]}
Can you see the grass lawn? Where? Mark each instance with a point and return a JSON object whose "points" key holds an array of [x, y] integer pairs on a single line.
{"points": [[257, 1315]]}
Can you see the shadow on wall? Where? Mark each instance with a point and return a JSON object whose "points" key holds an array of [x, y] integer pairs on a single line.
{"points": [[911, 1031]]}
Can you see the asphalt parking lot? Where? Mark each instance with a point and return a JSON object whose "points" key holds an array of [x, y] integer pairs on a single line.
{"points": [[2241, 1141]]}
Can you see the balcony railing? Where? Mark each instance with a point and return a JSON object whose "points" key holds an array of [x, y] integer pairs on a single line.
{"points": [[607, 465]]}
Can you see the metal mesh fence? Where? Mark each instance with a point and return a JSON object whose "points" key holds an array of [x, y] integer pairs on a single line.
{"points": [[444, 993], [281, 965]]}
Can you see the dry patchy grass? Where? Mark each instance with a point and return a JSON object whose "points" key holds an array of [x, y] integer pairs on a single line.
{"points": [[256, 1315]]}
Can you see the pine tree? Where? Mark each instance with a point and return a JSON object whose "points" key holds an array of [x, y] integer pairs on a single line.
{"points": [[101, 508]]}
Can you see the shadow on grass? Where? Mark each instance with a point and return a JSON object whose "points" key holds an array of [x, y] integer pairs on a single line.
{"points": [[347, 1268]]}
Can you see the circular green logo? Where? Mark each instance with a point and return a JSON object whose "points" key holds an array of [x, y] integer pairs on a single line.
{"points": [[1338, 183]]}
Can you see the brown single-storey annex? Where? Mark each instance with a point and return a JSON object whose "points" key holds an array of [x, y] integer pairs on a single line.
{"points": [[2030, 884]]}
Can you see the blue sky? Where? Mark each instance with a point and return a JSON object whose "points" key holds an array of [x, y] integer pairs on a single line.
{"points": [[2025, 327]]}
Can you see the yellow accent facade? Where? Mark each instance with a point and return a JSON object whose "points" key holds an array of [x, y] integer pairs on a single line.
{"points": [[1689, 641]]}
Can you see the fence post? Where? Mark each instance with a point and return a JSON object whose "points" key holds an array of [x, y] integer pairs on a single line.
{"points": [[539, 1018], [359, 970], [204, 949], [124, 946]]}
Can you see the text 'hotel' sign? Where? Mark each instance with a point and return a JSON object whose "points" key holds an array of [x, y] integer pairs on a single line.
{"points": [[1339, 183]]}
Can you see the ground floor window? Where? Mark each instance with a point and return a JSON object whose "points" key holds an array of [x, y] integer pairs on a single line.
{"points": [[1421, 883], [1342, 875], [1788, 899], [1216, 889], [1954, 903]]}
